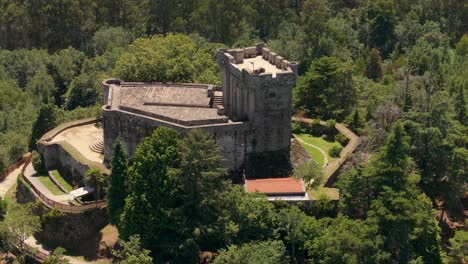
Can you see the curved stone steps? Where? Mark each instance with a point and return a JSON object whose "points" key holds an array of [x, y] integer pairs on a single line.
{"points": [[97, 146]]}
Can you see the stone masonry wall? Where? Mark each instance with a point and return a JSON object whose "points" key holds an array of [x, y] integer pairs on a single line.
{"points": [[133, 128]]}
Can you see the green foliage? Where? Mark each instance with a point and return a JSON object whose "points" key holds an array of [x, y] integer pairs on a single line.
{"points": [[374, 68], [108, 38], [311, 173], [462, 46], [38, 164], [174, 58], [96, 180], [357, 190], [271, 252], [3, 208], [116, 192], [151, 189], [46, 120], [19, 224], [335, 151], [57, 257], [326, 91], [52, 216], [347, 241], [133, 253], [458, 247], [83, 91]]}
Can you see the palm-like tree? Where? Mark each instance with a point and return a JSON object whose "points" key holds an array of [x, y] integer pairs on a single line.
{"points": [[96, 180]]}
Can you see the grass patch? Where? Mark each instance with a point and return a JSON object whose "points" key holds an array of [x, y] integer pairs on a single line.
{"points": [[316, 154], [49, 184], [332, 193], [62, 181], [320, 143]]}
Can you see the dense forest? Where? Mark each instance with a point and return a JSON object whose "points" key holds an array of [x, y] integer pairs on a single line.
{"points": [[395, 71]]}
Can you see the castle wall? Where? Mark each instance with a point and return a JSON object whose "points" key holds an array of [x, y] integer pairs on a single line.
{"points": [[133, 128], [264, 101]]}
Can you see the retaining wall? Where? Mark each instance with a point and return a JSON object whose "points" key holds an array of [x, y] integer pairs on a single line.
{"points": [[63, 156]]}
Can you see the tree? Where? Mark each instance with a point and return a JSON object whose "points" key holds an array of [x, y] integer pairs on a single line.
{"points": [[83, 92], [292, 221], [460, 106], [152, 193], [133, 253], [374, 68], [357, 190], [347, 241], [116, 192], [327, 90], [355, 121], [271, 252], [19, 224], [108, 38], [310, 172], [41, 86], [46, 120], [57, 257], [96, 180], [201, 179], [458, 247], [38, 164], [462, 46], [173, 58]]}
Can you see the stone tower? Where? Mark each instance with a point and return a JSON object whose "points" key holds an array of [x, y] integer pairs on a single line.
{"points": [[257, 90]]}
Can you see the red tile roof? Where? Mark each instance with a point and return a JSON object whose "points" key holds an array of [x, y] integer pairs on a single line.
{"points": [[276, 186]]}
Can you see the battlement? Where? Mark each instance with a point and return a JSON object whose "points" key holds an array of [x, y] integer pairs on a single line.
{"points": [[258, 60]]}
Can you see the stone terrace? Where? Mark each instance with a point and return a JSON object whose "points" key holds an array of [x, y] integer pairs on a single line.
{"points": [[186, 104]]}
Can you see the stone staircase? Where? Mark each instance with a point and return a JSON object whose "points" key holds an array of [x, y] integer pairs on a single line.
{"points": [[98, 146], [217, 99]]}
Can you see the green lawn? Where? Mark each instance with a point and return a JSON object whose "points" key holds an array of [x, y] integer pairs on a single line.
{"points": [[49, 184], [62, 181], [320, 143]]}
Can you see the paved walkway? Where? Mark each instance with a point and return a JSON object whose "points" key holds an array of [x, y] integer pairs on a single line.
{"points": [[325, 157], [9, 181], [31, 174]]}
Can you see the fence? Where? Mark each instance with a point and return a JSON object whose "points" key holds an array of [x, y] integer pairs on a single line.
{"points": [[66, 208]]}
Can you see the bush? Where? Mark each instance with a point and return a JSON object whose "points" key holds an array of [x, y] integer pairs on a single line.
{"points": [[315, 128], [330, 128], [342, 139], [298, 128], [334, 151], [53, 216], [38, 163]]}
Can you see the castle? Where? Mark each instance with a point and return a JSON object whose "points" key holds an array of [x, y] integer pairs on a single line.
{"points": [[249, 116]]}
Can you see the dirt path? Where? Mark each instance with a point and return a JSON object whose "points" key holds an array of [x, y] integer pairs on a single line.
{"points": [[325, 157], [9, 181]]}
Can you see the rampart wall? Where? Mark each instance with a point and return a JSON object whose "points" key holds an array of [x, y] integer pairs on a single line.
{"points": [[63, 156]]}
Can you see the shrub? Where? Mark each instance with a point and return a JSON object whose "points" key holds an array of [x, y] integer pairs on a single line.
{"points": [[342, 139], [334, 151], [330, 127], [316, 129], [53, 216], [298, 128], [38, 163]]}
